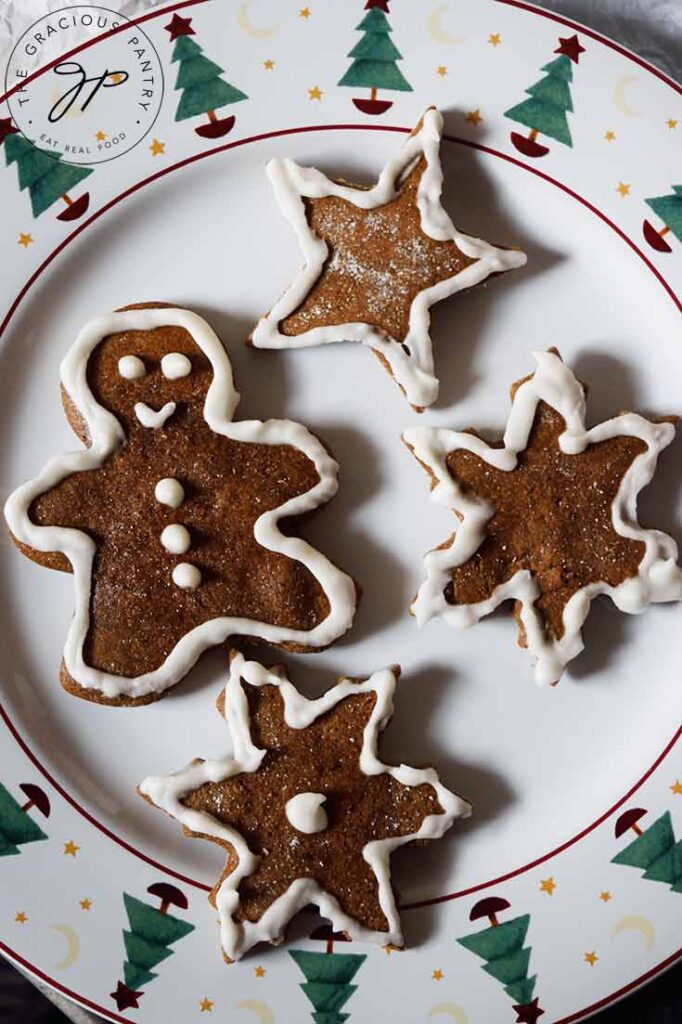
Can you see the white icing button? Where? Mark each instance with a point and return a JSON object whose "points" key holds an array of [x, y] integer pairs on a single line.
{"points": [[131, 367], [186, 576], [306, 813], [169, 491], [175, 365], [176, 539]]}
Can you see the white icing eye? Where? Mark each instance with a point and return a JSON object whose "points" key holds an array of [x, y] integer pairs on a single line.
{"points": [[169, 491], [131, 367], [176, 539], [175, 365], [186, 576]]}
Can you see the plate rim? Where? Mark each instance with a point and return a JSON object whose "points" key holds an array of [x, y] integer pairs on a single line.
{"points": [[157, 12]]}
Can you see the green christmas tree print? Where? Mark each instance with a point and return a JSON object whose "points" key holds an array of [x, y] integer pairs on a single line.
{"points": [[669, 209], [17, 827], [374, 60], [328, 977], [203, 90], [546, 111], [152, 931], [654, 850], [507, 959], [46, 177]]}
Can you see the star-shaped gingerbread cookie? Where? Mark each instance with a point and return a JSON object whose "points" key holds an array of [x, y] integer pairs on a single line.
{"points": [[548, 517], [305, 810], [376, 260], [169, 520]]}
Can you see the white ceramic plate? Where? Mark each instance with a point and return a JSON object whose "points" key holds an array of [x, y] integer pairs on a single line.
{"points": [[191, 219]]}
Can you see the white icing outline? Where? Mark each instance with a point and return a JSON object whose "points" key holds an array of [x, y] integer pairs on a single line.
{"points": [[107, 435], [167, 792], [414, 372], [659, 578]]}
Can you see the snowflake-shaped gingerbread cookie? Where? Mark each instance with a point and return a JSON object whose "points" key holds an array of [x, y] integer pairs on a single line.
{"points": [[170, 519], [548, 517], [376, 260], [305, 809]]}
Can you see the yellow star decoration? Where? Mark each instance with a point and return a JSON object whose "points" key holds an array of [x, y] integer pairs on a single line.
{"points": [[605, 896], [442, 71], [623, 190], [70, 849], [206, 1005], [100, 136], [85, 904], [304, 12], [591, 958], [672, 123], [548, 885], [260, 972], [437, 975], [268, 65], [315, 93], [474, 117], [495, 39], [157, 148], [609, 135], [676, 788], [20, 917], [24, 239]]}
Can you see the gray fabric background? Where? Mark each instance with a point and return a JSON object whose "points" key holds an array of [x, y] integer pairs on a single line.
{"points": [[653, 29]]}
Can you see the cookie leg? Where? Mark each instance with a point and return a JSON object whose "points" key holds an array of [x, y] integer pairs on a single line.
{"points": [[96, 697]]}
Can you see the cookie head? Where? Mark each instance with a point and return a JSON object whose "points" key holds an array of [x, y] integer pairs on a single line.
{"points": [[144, 377]]}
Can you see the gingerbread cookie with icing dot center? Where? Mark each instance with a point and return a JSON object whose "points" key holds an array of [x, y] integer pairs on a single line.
{"points": [[305, 810]]}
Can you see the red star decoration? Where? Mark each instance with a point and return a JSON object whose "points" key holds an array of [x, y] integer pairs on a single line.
{"points": [[528, 1013], [381, 4], [570, 47], [178, 26], [126, 998], [6, 128]]}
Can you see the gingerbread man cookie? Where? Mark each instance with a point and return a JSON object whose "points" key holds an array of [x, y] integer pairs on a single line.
{"points": [[376, 260], [170, 520], [548, 517], [305, 810]]}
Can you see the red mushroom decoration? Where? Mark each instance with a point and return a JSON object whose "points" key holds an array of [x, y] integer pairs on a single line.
{"points": [[326, 933], [169, 896], [628, 820], [36, 798], [489, 907]]}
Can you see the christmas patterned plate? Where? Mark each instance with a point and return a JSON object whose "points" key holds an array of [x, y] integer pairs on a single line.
{"points": [[562, 892]]}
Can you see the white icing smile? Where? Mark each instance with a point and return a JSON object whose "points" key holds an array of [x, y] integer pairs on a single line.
{"points": [[149, 417]]}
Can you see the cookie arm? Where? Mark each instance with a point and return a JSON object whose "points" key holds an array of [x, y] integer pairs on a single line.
{"points": [[47, 517]]}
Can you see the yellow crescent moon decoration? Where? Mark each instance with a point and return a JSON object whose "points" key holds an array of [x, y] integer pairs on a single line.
{"points": [[450, 1010], [619, 96], [635, 924], [245, 25], [436, 30], [73, 945], [262, 1010]]}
